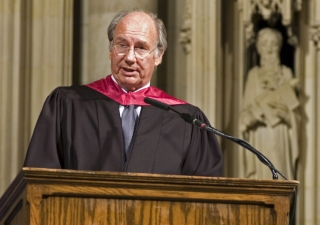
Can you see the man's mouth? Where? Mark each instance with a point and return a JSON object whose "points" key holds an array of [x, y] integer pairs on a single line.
{"points": [[128, 70]]}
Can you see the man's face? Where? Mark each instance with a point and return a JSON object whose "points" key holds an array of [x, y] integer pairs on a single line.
{"points": [[135, 30]]}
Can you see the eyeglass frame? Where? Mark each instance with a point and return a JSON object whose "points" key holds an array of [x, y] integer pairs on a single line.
{"points": [[134, 50]]}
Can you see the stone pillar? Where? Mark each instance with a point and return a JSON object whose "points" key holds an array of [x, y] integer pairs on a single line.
{"points": [[309, 176], [10, 98], [35, 57], [200, 36], [50, 40]]}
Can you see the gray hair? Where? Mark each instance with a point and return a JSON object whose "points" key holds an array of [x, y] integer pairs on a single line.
{"points": [[161, 29]]}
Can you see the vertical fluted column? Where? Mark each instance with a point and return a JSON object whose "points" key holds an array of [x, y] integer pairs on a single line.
{"points": [[10, 29], [309, 168], [35, 57], [51, 49], [308, 211], [201, 38]]}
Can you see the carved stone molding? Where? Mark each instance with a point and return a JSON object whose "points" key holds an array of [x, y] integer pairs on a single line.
{"points": [[185, 34], [315, 35], [313, 12], [267, 9], [314, 17]]}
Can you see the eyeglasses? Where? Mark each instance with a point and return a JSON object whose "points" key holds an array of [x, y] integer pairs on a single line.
{"points": [[139, 52]]}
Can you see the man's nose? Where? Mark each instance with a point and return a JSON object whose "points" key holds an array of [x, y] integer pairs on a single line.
{"points": [[131, 56]]}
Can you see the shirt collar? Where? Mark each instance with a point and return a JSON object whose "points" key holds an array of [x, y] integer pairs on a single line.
{"points": [[146, 86]]}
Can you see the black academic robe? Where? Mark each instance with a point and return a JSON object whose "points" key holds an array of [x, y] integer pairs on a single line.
{"points": [[80, 128]]}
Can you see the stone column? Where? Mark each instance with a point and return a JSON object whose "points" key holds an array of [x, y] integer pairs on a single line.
{"points": [[10, 98], [50, 40], [35, 57], [309, 176], [200, 36]]}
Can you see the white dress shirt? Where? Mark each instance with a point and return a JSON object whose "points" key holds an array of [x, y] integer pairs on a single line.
{"points": [[121, 107]]}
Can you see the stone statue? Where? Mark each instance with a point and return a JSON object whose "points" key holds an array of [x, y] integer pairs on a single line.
{"points": [[269, 117]]}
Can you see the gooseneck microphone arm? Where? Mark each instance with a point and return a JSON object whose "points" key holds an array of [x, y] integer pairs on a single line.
{"points": [[190, 119]]}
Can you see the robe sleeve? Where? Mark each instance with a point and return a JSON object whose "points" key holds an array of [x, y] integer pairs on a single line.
{"points": [[44, 149], [204, 157]]}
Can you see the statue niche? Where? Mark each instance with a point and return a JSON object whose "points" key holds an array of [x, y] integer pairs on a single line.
{"points": [[269, 115]]}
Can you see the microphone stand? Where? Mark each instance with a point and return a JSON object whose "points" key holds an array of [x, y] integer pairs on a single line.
{"points": [[190, 119]]}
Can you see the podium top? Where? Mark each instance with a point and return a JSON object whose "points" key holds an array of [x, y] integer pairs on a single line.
{"points": [[94, 178], [36, 184]]}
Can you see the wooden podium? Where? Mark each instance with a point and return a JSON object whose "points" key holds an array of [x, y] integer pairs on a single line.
{"points": [[67, 197]]}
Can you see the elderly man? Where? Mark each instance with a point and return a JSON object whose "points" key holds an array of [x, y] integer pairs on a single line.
{"points": [[86, 127]]}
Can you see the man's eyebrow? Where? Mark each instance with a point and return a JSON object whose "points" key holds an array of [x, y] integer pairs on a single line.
{"points": [[120, 39], [142, 43]]}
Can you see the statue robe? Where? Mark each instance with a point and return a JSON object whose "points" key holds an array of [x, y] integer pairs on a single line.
{"points": [[278, 143]]}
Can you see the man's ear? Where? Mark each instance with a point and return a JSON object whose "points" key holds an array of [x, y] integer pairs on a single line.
{"points": [[110, 53], [158, 59]]}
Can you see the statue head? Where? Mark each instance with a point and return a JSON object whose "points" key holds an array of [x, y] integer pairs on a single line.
{"points": [[269, 42], [265, 3]]}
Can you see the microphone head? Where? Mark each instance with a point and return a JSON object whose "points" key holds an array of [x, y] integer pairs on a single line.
{"points": [[187, 117], [156, 103]]}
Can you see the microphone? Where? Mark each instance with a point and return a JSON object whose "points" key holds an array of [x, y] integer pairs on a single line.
{"points": [[187, 117], [190, 119], [156, 103]]}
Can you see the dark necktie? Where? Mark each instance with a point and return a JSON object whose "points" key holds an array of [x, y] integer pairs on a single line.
{"points": [[129, 116]]}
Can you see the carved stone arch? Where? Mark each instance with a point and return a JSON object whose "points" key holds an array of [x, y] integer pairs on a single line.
{"points": [[276, 14], [315, 35], [185, 32]]}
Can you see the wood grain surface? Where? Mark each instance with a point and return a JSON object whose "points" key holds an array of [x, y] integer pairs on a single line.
{"points": [[77, 211], [59, 197]]}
